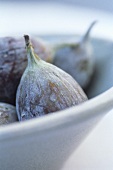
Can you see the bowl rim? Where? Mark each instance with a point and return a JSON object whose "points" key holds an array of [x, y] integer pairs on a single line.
{"points": [[94, 107]]}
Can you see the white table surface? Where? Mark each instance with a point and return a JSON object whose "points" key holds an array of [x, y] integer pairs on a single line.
{"points": [[96, 152]]}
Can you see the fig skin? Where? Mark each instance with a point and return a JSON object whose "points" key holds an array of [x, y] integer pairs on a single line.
{"points": [[44, 88], [13, 61], [7, 114], [76, 58]]}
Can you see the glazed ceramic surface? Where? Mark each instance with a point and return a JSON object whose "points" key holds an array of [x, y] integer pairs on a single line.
{"points": [[48, 142]]}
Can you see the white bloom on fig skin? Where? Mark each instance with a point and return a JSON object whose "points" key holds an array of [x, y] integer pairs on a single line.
{"points": [[44, 88]]}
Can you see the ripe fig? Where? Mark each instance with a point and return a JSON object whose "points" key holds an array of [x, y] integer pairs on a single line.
{"points": [[76, 58], [44, 88], [13, 61], [7, 114]]}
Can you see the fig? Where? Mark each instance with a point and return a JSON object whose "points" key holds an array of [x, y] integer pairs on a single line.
{"points": [[13, 61], [45, 88], [76, 58], [7, 114]]}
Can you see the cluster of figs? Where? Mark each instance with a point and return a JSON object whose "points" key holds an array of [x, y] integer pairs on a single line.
{"points": [[37, 78]]}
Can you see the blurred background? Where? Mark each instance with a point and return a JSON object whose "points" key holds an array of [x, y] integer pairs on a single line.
{"points": [[53, 17], [101, 5]]}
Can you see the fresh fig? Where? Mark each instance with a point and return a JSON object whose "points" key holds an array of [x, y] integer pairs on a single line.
{"points": [[76, 58], [13, 61], [45, 88], [7, 114]]}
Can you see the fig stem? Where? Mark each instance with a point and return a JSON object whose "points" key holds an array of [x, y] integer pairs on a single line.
{"points": [[86, 36], [27, 40], [30, 48]]}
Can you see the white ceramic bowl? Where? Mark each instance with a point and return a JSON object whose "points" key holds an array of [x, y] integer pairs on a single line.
{"points": [[47, 143]]}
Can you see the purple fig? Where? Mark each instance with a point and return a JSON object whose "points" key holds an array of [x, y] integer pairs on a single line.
{"points": [[44, 88], [7, 114], [13, 61], [76, 58]]}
